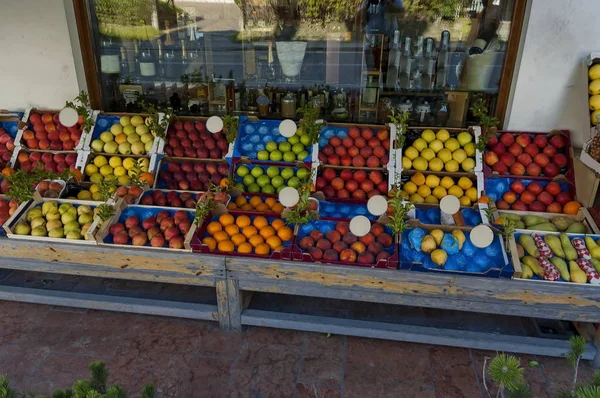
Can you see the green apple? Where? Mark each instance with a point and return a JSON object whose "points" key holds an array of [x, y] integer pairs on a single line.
{"points": [[254, 188], [148, 145], [297, 148], [257, 172], [280, 188], [111, 147], [133, 137], [107, 136], [287, 173], [242, 171], [263, 180], [301, 131], [294, 139], [97, 145], [276, 156], [303, 173], [302, 155], [248, 180], [305, 140], [271, 146], [262, 155], [272, 171], [277, 181], [268, 189], [129, 129], [289, 157], [146, 137], [125, 148], [125, 120], [137, 148], [285, 147], [294, 182], [240, 187]]}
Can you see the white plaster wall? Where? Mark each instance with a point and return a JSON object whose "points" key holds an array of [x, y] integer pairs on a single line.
{"points": [[37, 66], [550, 90]]}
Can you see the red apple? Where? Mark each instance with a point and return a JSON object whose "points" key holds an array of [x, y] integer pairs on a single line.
{"points": [[537, 206], [549, 151], [507, 158], [541, 159], [551, 170], [517, 187], [507, 139], [553, 188], [535, 188], [491, 158], [524, 159], [563, 198], [557, 141], [500, 168], [560, 160], [541, 141], [533, 169], [532, 150], [523, 140], [545, 198], [499, 149], [517, 169], [519, 205], [515, 149], [527, 197]]}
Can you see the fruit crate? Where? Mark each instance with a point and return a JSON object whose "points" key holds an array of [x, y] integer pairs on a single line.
{"points": [[21, 213], [254, 135], [104, 121], [57, 186], [320, 241], [430, 214], [104, 234], [338, 182], [552, 148], [503, 190], [491, 262], [414, 133], [344, 209], [341, 145], [189, 134], [26, 159], [190, 174], [246, 187], [476, 181], [32, 115], [171, 199], [582, 216], [199, 245], [85, 158], [10, 123], [517, 258]]}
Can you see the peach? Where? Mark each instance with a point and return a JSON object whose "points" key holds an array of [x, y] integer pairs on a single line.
{"points": [[523, 140], [373, 142], [379, 152], [139, 240], [149, 223], [532, 150], [170, 233], [333, 236], [353, 151], [35, 118], [385, 239], [537, 206], [327, 150], [348, 255], [323, 244], [315, 235], [515, 149], [133, 231], [366, 133], [376, 176], [343, 194], [358, 247], [161, 215], [346, 174], [348, 142], [560, 160], [563, 198], [46, 118], [365, 151], [524, 159], [510, 197], [500, 168], [358, 161], [365, 258], [354, 132], [121, 238], [359, 194], [315, 253], [553, 188], [507, 139], [131, 221], [152, 232], [382, 256], [373, 161], [329, 174], [350, 238], [533, 169], [166, 223], [527, 197], [306, 242], [502, 205], [179, 216], [545, 198], [367, 239], [157, 241], [540, 141], [541, 159], [549, 151], [554, 207], [551, 170], [519, 205], [535, 188], [337, 183], [360, 142], [339, 246], [377, 229], [375, 248], [517, 169], [367, 185], [517, 187], [330, 255], [335, 142], [346, 160], [116, 228], [176, 242], [352, 186], [184, 226], [557, 141], [340, 150], [499, 148], [507, 158]]}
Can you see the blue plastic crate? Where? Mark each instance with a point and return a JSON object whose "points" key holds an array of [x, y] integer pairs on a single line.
{"points": [[496, 187], [328, 132], [344, 210], [432, 216]]}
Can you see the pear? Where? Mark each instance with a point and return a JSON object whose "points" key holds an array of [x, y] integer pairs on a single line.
{"points": [[534, 264], [553, 243], [577, 274], [576, 228], [534, 220], [570, 252], [592, 247], [65, 207], [53, 224], [439, 257], [519, 225], [438, 235], [40, 230], [547, 226], [85, 218], [529, 245], [526, 272], [36, 222], [22, 228], [596, 264], [54, 215], [510, 216], [83, 209], [73, 235], [49, 207], [56, 233], [428, 244], [34, 213], [69, 216], [562, 223], [460, 236], [84, 229], [562, 267], [71, 226]]}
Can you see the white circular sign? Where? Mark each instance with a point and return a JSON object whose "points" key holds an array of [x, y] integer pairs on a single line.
{"points": [[287, 128], [214, 124], [360, 226], [377, 205], [289, 196], [68, 117], [450, 204], [481, 236]]}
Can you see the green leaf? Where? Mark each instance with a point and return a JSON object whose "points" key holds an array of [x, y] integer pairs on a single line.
{"points": [[149, 391], [577, 344], [506, 371], [534, 364], [521, 390]]}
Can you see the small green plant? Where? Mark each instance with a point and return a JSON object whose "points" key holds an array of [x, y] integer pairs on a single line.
{"points": [[302, 212], [310, 115], [156, 125], [488, 123], [136, 171], [204, 207], [230, 127], [82, 105], [22, 183], [400, 119], [399, 212]]}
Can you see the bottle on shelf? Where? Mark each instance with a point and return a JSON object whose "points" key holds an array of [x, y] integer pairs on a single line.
{"points": [[170, 63], [147, 62], [270, 73], [418, 66], [406, 63], [136, 58], [370, 93], [427, 76], [109, 57], [442, 62], [393, 63], [368, 54], [124, 66], [161, 59], [184, 59]]}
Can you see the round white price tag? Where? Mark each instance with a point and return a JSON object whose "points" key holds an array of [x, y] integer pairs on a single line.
{"points": [[450, 204], [377, 205], [481, 236], [360, 226], [68, 117], [289, 196], [287, 128], [214, 124]]}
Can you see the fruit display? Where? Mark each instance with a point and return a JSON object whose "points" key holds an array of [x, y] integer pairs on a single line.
{"points": [[354, 146], [529, 195], [330, 241], [268, 180], [56, 219], [450, 249], [55, 162], [125, 135], [350, 183], [150, 227], [51, 189], [191, 139], [244, 234], [344, 210], [443, 150], [558, 257], [529, 154], [431, 215], [262, 141], [191, 175], [122, 168], [45, 132], [7, 209], [8, 133], [430, 188], [256, 203], [594, 92], [545, 222]]}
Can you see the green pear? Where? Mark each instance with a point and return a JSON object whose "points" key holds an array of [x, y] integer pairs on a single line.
{"points": [[22, 228], [562, 267], [53, 224], [534, 264], [526, 272], [34, 213], [553, 243], [75, 235], [39, 231], [71, 226], [86, 218], [65, 218], [83, 209], [56, 233], [529, 245], [49, 207], [65, 207], [577, 274], [570, 252], [592, 247], [596, 264], [36, 222], [53, 215]]}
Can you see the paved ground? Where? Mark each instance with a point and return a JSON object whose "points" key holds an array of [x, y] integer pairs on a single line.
{"points": [[43, 348]]}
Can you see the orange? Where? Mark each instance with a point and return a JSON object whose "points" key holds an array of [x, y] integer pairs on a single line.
{"points": [[74, 172], [266, 232], [232, 229], [147, 178], [214, 227], [224, 183], [243, 221], [279, 248], [270, 202], [225, 246], [210, 242], [220, 236], [232, 206], [278, 224], [7, 171], [245, 248], [262, 208], [255, 201], [274, 242], [226, 219], [256, 240], [277, 208], [246, 207], [572, 208], [240, 200], [249, 231], [262, 249], [285, 234], [238, 239], [260, 222], [484, 199]]}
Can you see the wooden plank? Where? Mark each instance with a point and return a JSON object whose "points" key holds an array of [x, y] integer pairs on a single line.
{"points": [[235, 305], [415, 334], [565, 301], [223, 304], [110, 303]]}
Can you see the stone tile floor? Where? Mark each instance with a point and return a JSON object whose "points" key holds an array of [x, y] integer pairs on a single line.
{"points": [[43, 348]]}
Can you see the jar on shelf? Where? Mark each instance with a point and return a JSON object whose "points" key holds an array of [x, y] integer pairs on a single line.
{"points": [[288, 105]]}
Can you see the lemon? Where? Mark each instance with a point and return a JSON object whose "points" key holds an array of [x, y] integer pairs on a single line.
{"points": [[432, 181], [465, 183], [119, 171], [464, 138], [416, 198], [115, 161], [97, 196], [470, 149], [459, 155], [116, 129], [125, 120], [121, 138], [428, 154], [471, 193], [428, 135], [137, 120], [418, 179], [436, 164], [465, 201], [451, 166], [595, 117], [411, 152], [420, 164], [424, 191], [420, 144], [129, 129], [410, 187], [594, 87], [100, 161], [124, 180], [406, 163], [595, 102], [445, 155], [96, 178], [436, 145], [432, 199], [90, 169], [107, 137], [439, 192], [84, 195], [106, 170], [442, 135], [452, 144], [447, 182], [128, 163], [456, 191], [468, 165]]}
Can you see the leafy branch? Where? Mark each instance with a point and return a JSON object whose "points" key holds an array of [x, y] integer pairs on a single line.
{"points": [[106, 188], [301, 213], [399, 212], [310, 115], [480, 111], [82, 106], [22, 183], [136, 171], [506, 371], [204, 207], [400, 119], [152, 120], [230, 127], [574, 356]]}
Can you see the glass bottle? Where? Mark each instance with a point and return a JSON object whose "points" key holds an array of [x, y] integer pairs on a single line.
{"points": [[418, 66], [442, 62], [136, 57], [184, 59], [406, 63], [170, 63], [147, 62], [370, 93], [161, 59], [109, 57], [124, 66], [393, 63], [427, 76], [270, 73]]}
